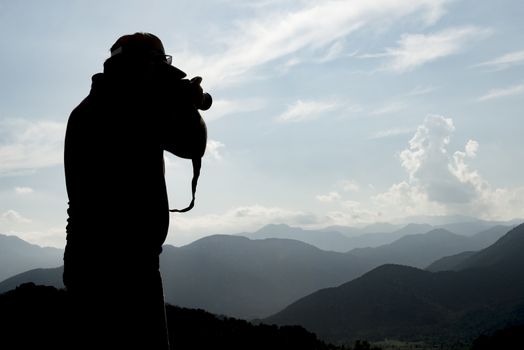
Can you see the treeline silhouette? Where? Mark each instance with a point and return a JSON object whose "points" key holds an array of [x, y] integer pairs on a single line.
{"points": [[34, 317], [511, 337]]}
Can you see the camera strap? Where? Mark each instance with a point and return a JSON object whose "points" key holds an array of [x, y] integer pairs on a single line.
{"points": [[197, 164]]}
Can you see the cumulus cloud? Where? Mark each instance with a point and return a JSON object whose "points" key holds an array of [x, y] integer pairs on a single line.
{"points": [[441, 182], [27, 145], [427, 161], [505, 61], [278, 35], [471, 148], [415, 50], [503, 92], [405, 199]]}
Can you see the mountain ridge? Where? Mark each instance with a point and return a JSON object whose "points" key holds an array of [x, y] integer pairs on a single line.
{"points": [[17, 256], [395, 301]]}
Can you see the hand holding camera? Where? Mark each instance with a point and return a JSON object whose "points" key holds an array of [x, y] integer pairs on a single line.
{"points": [[202, 100]]}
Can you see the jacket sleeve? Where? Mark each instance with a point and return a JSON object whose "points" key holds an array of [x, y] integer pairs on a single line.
{"points": [[183, 131], [186, 138]]}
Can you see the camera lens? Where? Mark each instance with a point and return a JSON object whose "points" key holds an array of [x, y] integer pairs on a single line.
{"points": [[207, 101]]}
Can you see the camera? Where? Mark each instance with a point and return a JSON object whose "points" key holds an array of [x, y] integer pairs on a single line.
{"points": [[207, 101]]}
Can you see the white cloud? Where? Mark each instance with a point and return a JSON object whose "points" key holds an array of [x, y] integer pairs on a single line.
{"points": [[420, 90], [13, 217], [504, 92], [222, 108], [404, 199], [427, 161], [330, 197], [350, 186], [391, 132], [213, 149], [442, 183], [504, 62], [52, 237], [27, 145], [333, 52], [415, 50], [242, 218], [307, 110], [23, 190], [428, 143], [317, 26], [355, 212], [471, 148], [392, 107]]}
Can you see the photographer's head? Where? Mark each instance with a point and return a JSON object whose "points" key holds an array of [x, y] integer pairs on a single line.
{"points": [[136, 52]]}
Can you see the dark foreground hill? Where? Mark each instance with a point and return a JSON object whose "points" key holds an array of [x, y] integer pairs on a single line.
{"points": [[33, 317], [400, 302]]}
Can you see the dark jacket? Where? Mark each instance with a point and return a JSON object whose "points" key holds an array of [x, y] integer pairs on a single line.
{"points": [[114, 168]]}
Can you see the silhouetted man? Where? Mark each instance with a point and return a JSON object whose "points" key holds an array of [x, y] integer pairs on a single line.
{"points": [[118, 206]]}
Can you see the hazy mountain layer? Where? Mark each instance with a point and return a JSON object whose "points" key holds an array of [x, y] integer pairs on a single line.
{"points": [[246, 278], [402, 302], [17, 255]]}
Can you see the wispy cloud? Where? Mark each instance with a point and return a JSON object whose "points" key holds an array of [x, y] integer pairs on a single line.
{"points": [[27, 145], [503, 92], [237, 219], [504, 62], [350, 186], [260, 40], [307, 110], [391, 107], [420, 90], [415, 50], [23, 190], [222, 108], [391, 132], [13, 217], [330, 197]]}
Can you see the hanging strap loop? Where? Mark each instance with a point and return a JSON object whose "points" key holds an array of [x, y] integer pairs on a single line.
{"points": [[197, 164]]}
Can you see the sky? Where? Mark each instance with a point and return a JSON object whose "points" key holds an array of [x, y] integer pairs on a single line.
{"points": [[325, 112]]}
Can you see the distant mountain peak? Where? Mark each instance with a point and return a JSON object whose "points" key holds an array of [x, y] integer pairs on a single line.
{"points": [[441, 231], [276, 228]]}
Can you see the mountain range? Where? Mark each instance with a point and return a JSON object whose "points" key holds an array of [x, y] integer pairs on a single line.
{"points": [[485, 292], [343, 239], [248, 278], [420, 250], [17, 255]]}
